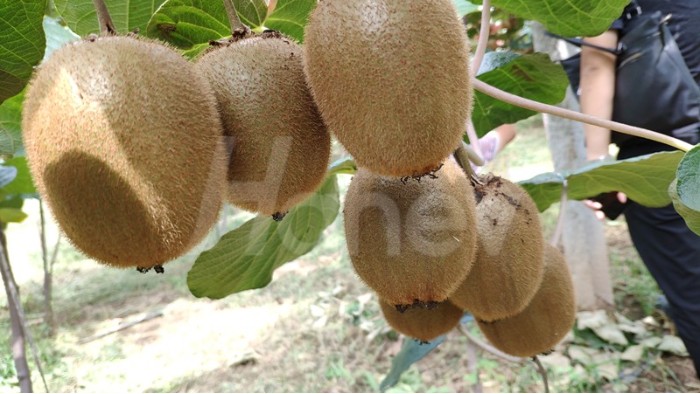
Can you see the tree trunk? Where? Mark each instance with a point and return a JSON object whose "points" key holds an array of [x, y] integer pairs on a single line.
{"points": [[583, 237], [17, 340]]}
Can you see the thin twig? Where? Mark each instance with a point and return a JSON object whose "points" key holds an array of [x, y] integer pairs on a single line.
{"points": [[464, 156], [509, 98], [478, 58], [13, 297], [122, 327], [237, 27], [488, 348], [48, 277], [561, 220], [106, 24], [484, 32], [543, 373]]}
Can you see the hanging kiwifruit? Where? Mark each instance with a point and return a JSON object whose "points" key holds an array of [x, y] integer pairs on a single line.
{"points": [[280, 146], [124, 143], [411, 241], [508, 268], [545, 321], [391, 79], [421, 323]]}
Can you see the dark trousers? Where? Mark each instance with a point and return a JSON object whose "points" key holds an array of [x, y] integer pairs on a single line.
{"points": [[671, 252]]}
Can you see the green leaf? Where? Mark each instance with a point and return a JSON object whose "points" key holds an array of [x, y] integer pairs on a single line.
{"points": [[685, 190], [12, 215], [644, 179], [290, 16], [23, 182], [191, 24], [567, 17], [7, 175], [127, 15], [251, 12], [343, 166], [465, 7], [22, 43], [246, 257], [11, 126], [533, 76], [57, 35], [411, 352]]}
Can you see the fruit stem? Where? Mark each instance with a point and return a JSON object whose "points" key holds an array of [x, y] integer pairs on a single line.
{"points": [[465, 155], [237, 27], [106, 24], [509, 98], [478, 58], [484, 33]]}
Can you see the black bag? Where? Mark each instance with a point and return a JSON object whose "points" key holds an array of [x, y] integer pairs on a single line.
{"points": [[654, 88]]}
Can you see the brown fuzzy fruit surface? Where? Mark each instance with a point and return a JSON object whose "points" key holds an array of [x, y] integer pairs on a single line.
{"points": [[412, 242], [508, 267], [545, 321], [391, 79], [281, 147], [124, 143], [421, 323]]}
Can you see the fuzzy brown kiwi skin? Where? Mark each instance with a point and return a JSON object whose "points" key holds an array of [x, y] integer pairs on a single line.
{"points": [[411, 241], [124, 143], [509, 267], [421, 323], [545, 321], [280, 145], [391, 79]]}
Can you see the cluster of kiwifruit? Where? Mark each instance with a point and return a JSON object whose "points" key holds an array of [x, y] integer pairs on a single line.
{"points": [[135, 149], [391, 80]]}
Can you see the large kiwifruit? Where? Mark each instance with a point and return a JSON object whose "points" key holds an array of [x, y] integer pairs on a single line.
{"points": [[545, 321], [391, 79], [421, 323], [124, 142], [281, 147], [508, 267], [412, 241]]}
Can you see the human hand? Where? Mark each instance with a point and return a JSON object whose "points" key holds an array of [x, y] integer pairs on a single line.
{"points": [[608, 205]]}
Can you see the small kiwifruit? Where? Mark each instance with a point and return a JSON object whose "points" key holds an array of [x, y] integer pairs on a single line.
{"points": [[391, 79], [412, 241], [508, 267], [281, 147], [124, 143], [545, 321], [422, 323]]}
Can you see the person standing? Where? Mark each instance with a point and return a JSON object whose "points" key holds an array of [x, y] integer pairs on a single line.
{"points": [[668, 248]]}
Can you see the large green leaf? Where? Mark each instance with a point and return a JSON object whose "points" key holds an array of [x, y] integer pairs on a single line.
{"points": [[290, 17], [465, 7], [531, 76], [22, 43], [127, 15], [191, 24], [22, 184], [246, 257], [11, 126], [57, 35], [644, 179], [567, 17], [685, 190]]}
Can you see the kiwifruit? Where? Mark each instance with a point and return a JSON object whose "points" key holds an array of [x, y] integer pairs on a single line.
{"points": [[421, 323], [391, 79], [508, 267], [124, 143], [412, 241], [545, 321], [281, 147]]}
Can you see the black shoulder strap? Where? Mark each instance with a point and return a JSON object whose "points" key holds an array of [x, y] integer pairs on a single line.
{"points": [[579, 43]]}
